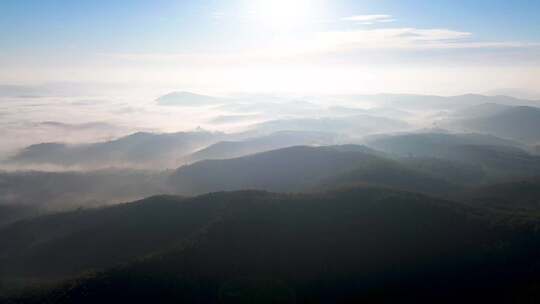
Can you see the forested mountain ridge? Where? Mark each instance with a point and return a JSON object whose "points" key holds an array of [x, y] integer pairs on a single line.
{"points": [[300, 169], [338, 246]]}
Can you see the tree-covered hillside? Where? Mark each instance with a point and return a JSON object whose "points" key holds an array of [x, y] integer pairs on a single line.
{"points": [[248, 246]]}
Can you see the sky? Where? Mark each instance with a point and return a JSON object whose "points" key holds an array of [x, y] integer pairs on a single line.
{"points": [[307, 46]]}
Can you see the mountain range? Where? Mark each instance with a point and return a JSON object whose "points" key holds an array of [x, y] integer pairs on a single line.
{"points": [[138, 150], [521, 123], [337, 199]]}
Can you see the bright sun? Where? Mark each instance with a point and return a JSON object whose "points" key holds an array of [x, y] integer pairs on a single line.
{"points": [[283, 14]]}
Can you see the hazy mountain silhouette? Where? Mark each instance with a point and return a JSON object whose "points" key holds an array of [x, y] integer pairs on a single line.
{"points": [[516, 92], [481, 110], [427, 102], [137, 150], [272, 107], [81, 126], [21, 91], [392, 113], [232, 119], [232, 149], [354, 125], [455, 172], [432, 144], [499, 158], [300, 168], [49, 191], [517, 123]]}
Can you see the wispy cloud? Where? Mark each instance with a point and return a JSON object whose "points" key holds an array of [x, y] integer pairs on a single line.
{"points": [[392, 38], [334, 43], [369, 19], [409, 38], [218, 15]]}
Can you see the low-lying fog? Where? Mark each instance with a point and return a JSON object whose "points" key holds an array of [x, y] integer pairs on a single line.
{"points": [[73, 150], [28, 118]]}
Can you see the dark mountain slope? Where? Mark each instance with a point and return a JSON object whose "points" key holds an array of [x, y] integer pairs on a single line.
{"points": [[12, 213], [517, 195], [362, 244], [68, 243], [394, 175], [291, 169]]}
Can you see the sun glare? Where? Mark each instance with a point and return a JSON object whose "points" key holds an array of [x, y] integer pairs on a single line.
{"points": [[284, 14]]}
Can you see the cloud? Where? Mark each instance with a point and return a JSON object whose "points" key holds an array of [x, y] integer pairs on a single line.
{"points": [[336, 45], [369, 19], [328, 43], [409, 39], [391, 38], [218, 15]]}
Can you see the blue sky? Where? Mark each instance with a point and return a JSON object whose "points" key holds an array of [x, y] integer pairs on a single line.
{"points": [[98, 24], [61, 40]]}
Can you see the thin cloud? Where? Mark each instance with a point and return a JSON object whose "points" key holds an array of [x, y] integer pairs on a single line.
{"points": [[369, 19], [218, 15], [391, 38], [327, 43]]}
